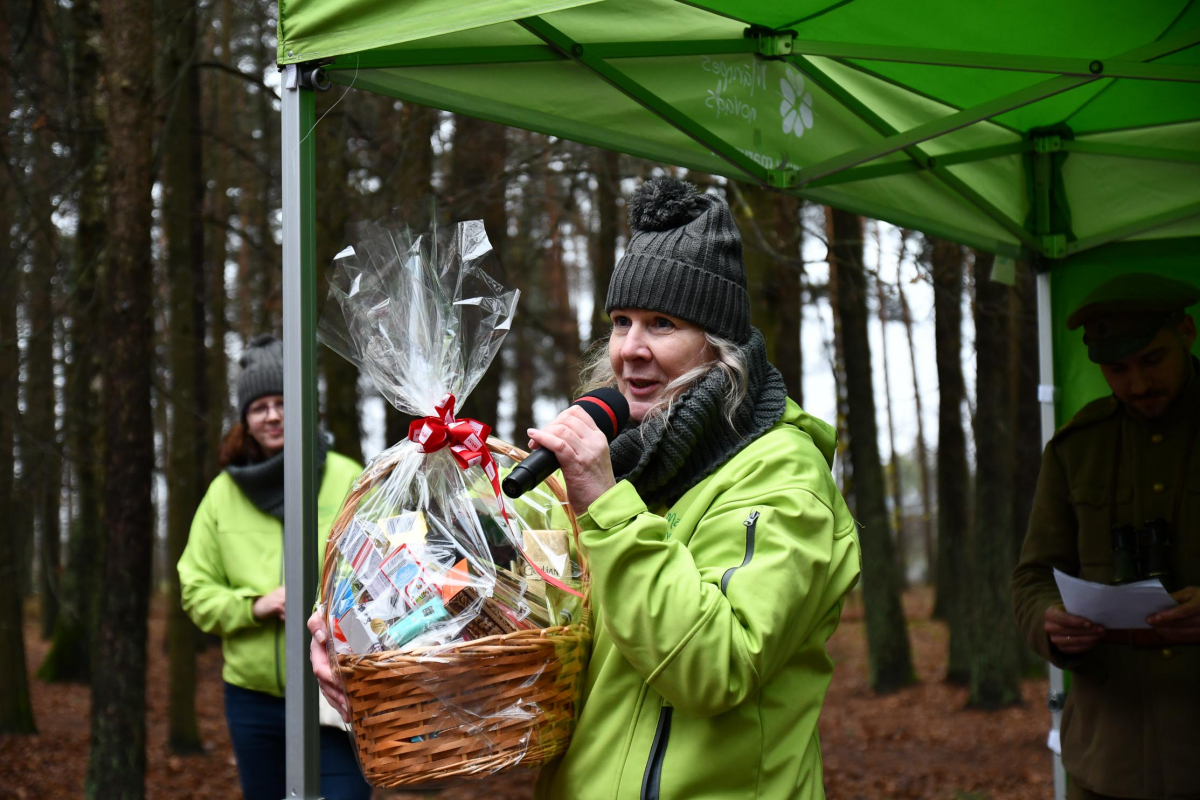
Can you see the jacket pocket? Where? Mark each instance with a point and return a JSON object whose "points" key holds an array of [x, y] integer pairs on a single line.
{"points": [[652, 780], [751, 523]]}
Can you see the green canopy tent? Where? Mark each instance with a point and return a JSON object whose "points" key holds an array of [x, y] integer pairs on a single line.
{"points": [[1066, 134]]}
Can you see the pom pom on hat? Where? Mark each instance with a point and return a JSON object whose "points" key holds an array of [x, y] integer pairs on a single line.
{"points": [[661, 204]]}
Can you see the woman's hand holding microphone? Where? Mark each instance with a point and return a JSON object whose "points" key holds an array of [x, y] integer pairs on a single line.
{"points": [[582, 452]]}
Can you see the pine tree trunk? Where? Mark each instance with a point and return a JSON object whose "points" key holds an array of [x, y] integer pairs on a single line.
{"points": [[836, 352], [16, 713], [69, 656], [995, 649], [788, 282], [40, 450], [183, 197], [607, 167], [269, 311], [117, 761], [560, 317], [887, 635], [414, 177], [217, 99], [524, 377], [893, 468], [41, 456], [922, 449], [341, 377], [476, 190], [771, 251], [1027, 430], [953, 522]]}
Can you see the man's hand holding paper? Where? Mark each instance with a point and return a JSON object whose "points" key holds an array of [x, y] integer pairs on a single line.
{"points": [[1181, 624]]}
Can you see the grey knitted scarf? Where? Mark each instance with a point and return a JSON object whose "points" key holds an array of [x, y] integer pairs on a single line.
{"points": [[262, 481], [665, 458]]}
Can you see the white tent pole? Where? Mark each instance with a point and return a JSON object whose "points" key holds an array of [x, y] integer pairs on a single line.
{"points": [[1047, 395], [299, 431]]}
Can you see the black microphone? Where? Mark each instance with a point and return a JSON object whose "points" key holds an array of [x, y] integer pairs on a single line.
{"points": [[607, 408]]}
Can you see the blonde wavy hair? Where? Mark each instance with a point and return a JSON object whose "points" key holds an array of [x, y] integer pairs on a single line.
{"points": [[595, 372]]}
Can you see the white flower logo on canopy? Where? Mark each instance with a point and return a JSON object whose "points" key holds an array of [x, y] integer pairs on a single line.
{"points": [[796, 107]]}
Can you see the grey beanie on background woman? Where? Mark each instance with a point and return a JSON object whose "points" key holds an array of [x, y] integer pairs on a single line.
{"points": [[685, 259], [262, 371]]}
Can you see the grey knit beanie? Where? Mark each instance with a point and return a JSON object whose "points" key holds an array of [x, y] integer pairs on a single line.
{"points": [[684, 259], [262, 370]]}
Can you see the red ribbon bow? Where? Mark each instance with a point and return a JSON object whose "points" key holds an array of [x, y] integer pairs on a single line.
{"points": [[467, 440]]}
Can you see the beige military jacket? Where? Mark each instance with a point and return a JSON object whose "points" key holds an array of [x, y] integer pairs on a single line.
{"points": [[1131, 726]]}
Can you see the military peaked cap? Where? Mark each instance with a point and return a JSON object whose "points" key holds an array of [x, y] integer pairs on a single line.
{"points": [[1123, 315]]}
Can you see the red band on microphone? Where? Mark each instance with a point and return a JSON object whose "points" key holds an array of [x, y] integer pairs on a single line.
{"points": [[611, 416]]}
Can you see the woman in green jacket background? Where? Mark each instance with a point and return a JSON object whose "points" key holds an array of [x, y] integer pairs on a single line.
{"points": [[231, 574], [719, 546]]}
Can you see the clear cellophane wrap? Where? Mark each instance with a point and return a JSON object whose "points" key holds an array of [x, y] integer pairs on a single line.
{"points": [[458, 618]]}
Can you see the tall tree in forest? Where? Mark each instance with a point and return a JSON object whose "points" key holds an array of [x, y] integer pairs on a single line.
{"points": [[1027, 426], [412, 175], [268, 309], [41, 454], [1023, 366], [183, 199], [887, 635], [341, 377], [989, 559], [523, 255], [953, 475], [559, 317], [475, 189], [606, 166], [895, 484], [216, 99], [771, 236], [922, 450], [16, 712], [69, 657], [117, 761]]}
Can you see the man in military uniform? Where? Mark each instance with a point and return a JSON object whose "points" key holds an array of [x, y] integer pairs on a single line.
{"points": [[1131, 726]]}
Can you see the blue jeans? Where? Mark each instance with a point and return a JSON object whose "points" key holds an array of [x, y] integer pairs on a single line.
{"points": [[257, 728]]}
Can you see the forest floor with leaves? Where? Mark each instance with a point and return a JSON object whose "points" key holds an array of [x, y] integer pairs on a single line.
{"points": [[920, 743]]}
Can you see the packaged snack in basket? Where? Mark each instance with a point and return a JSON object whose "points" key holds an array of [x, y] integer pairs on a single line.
{"points": [[476, 657]]}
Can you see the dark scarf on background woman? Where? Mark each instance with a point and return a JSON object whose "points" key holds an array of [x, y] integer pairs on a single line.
{"points": [[262, 481], [663, 461]]}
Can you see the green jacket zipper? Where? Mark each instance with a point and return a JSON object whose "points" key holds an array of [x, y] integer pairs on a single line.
{"points": [[652, 780], [750, 523]]}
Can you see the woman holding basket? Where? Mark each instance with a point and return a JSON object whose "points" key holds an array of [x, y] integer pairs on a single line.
{"points": [[719, 547], [231, 576]]}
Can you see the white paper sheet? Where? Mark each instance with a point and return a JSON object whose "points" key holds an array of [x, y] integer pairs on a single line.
{"points": [[1115, 607]]}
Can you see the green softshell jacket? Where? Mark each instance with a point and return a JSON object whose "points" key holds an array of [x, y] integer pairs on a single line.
{"points": [[235, 554], [710, 621]]}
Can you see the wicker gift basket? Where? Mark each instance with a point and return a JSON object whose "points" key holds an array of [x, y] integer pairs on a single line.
{"points": [[467, 709], [458, 620]]}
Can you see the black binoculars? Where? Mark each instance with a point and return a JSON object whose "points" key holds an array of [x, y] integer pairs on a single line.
{"points": [[1141, 553]]}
